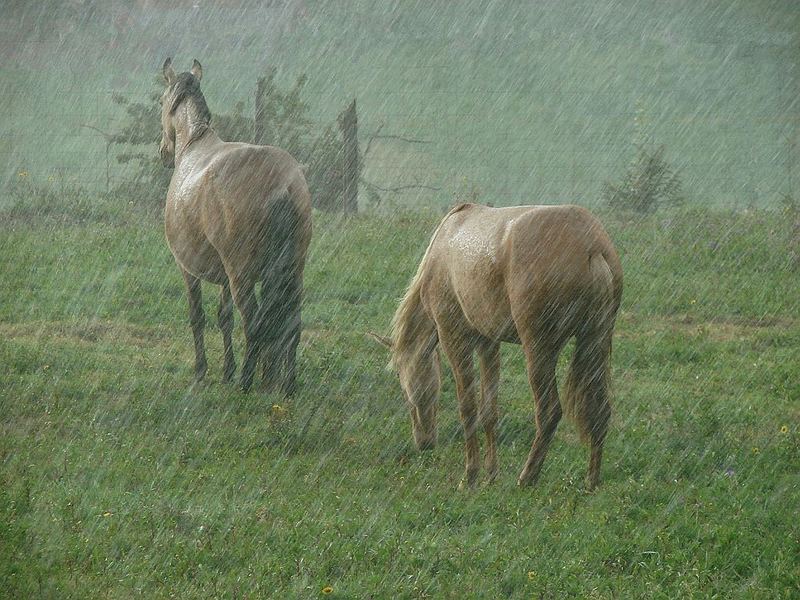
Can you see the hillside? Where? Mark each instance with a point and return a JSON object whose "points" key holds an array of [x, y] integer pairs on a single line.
{"points": [[540, 103]]}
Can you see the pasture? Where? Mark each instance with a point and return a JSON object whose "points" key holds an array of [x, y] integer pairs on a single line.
{"points": [[120, 479]]}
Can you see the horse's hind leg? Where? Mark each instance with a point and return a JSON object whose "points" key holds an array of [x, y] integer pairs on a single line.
{"points": [[273, 323], [244, 296], [489, 359], [586, 394], [197, 319], [293, 328], [225, 318], [280, 305], [270, 369], [541, 360]]}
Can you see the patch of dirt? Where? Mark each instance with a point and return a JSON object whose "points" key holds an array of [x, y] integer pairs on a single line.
{"points": [[88, 332], [723, 329]]}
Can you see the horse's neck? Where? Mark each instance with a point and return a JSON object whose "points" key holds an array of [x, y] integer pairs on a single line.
{"points": [[189, 128], [417, 337]]}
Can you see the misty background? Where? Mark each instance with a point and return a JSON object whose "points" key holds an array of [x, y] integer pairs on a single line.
{"points": [[520, 102]]}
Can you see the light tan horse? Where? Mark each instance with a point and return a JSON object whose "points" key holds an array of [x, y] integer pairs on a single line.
{"points": [[237, 215], [530, 275]]}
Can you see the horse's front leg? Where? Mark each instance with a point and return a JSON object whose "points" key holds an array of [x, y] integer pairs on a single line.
{"points": [[197, 319], [459, 353], [225, 318], [489, 360]]}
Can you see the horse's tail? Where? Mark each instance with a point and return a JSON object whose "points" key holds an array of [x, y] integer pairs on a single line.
{"points": [[586, 393], [281, 276]]}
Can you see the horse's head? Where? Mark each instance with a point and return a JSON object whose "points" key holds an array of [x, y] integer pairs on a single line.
{"points": [[419, 372], [179, 87]]}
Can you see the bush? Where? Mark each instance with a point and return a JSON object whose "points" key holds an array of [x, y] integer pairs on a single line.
{"points": [[649, 184], [148, 179], [60, 198]]}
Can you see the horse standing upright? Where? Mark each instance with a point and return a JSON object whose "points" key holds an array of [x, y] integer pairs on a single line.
{"points": [[236, 215], [530, 275]]}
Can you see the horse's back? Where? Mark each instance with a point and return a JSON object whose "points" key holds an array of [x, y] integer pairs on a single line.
{"points": [[500, 263], [251, 178], [465, 282], [238, 199]]}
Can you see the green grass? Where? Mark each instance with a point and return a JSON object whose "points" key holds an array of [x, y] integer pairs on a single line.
{"points": [[120, 479]]}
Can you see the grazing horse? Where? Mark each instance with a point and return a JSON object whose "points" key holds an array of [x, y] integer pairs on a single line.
{"points": [[236, 215], [530, 275]]}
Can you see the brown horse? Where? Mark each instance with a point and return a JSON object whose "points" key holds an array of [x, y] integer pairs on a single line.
{"points": [[530, 275], [236, 215]]}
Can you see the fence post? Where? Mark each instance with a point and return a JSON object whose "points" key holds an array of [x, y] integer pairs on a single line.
{"points": [[264, 89], [348, 124]]}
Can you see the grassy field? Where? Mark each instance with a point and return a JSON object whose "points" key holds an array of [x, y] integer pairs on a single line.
{"points": [[119, 479]]}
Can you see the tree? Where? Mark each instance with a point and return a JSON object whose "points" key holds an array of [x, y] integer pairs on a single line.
{"points": [[649, 183], [282, 120]]}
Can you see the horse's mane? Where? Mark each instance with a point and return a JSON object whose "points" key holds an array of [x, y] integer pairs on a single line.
{"points": [[409, 317], [187, 86]]}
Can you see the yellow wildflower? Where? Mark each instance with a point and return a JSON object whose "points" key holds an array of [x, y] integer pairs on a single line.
{"points": [[22, 174], [784, 429], [755, 449], [327, 590]]}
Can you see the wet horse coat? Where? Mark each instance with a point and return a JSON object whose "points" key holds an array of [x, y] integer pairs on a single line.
{"points": [[530, 275], [236, 215]]}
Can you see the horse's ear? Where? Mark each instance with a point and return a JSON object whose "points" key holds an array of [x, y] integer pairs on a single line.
{"points": [[197, 70], [168, 72], [383, 341]]}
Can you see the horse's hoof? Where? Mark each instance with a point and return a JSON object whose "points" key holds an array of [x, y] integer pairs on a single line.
{"points": [[268, 388], [489, 479], [469, 481]]}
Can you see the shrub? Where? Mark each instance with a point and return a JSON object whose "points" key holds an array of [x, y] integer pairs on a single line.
{"points": [[59, 198], [649, 184]]}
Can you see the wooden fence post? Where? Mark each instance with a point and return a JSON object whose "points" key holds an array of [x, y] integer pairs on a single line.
{"points": [[264, 89], [351, 172]]}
